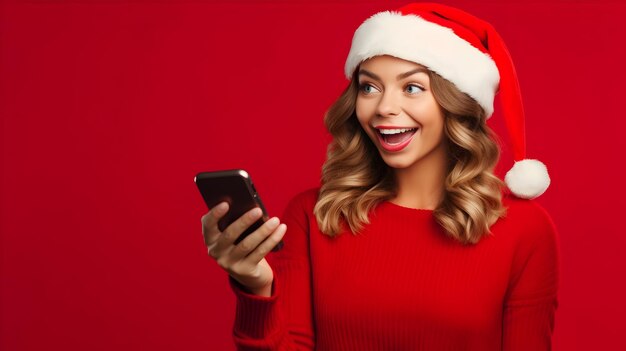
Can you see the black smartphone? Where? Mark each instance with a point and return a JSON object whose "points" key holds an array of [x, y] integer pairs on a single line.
{"points": [[236, 188]]}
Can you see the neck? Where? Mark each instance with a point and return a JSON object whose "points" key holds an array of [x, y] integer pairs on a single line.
{"points": [[421, 185]]}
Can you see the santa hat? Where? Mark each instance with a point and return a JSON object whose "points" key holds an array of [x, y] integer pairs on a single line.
{"points": [[468, 52]]}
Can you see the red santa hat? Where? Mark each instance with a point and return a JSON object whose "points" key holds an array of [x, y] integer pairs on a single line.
{"points": [[468, 52]]}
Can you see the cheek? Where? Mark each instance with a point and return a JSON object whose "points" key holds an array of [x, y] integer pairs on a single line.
{"points": [[361, 113], [432, 116], [437, 133]]}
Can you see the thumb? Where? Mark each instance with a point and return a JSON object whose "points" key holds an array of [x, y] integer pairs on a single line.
{"points": [[210, 230]]}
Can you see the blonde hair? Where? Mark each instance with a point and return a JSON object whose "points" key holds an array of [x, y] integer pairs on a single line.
{"points": [[355, 178]]}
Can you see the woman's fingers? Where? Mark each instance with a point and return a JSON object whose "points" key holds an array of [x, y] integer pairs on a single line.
{"points": [[225, 242], [244, 259], [210, 231], [253, 240], [267, 245]]}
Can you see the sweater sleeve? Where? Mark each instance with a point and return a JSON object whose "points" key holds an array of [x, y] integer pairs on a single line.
{"points": [[531, 300], [284, 320]]}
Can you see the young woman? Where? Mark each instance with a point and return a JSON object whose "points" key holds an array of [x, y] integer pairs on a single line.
{"points": [[411, 242]]}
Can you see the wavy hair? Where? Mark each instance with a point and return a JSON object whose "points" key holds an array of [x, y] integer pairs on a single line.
{"points": [[355, 178]]}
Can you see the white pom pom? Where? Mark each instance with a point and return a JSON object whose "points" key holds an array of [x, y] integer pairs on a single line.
{"points": [[527, 179]]}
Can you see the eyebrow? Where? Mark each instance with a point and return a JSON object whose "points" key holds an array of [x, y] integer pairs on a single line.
{"points": [[400, 76]]}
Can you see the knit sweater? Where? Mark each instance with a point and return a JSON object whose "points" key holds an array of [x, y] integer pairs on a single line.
{"points": [[403, 284]]}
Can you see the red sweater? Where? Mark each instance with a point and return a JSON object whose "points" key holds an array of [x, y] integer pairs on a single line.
{"points": [[402, 284]]}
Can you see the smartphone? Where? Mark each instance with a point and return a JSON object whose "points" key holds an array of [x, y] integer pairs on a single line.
{"points": [[236, 188]]}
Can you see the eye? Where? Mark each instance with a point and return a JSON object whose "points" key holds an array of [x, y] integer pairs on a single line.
{"points": [[364, 86], [420, 89]]}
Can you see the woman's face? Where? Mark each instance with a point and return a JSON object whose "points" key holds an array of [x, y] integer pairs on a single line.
{"points": [[398, 111]]}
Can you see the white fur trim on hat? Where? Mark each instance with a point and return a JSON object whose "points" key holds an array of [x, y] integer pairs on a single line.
{"points": [[412, 38], [527, 178]]}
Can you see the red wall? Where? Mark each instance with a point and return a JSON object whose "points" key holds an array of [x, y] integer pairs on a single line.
{"points": [[108, 111]]}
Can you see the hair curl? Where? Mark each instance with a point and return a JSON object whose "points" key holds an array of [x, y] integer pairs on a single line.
{"points": [[355, 178]]}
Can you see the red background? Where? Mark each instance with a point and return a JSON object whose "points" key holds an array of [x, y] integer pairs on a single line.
{"points": [[109, 109]]}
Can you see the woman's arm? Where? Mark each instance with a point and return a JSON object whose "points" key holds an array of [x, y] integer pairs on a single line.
{"points": [[531, 302], [284, 320]]}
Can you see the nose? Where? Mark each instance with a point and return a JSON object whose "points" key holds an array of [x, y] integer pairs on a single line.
{"points": [[389, 105]]}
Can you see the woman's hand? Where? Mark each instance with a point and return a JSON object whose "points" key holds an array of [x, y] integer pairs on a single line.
{"points": [[245, 262]]}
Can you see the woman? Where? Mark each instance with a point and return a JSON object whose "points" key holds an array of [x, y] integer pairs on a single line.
{"points": [[411, 242]]}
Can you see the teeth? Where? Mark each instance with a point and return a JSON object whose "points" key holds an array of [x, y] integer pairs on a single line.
{"points": [[395, 131]]}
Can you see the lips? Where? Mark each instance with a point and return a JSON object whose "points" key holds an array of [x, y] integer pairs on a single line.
{"points": [[394, 138]]}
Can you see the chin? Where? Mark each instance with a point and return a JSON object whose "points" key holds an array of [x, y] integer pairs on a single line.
{"points": [[395, 162]]}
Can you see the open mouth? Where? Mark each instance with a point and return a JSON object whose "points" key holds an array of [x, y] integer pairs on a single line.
{"points": [[396, 136]]}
